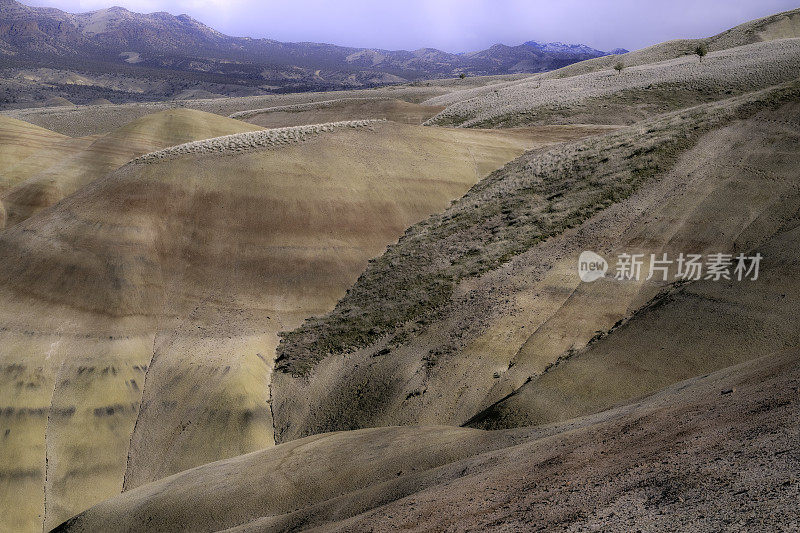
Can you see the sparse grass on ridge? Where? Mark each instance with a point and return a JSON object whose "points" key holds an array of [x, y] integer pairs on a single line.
{"points": [[627, 105], [538, 195], [253, 140], [541, 99], [779, 26]]}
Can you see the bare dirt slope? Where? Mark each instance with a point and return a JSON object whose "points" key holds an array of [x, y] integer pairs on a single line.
{"points": [[140, 332], [684, 458], [141, 313], [337, 110], [487, 326], [57, 178], [784, 25], [58, 101], [685, 331], [26, 149]]}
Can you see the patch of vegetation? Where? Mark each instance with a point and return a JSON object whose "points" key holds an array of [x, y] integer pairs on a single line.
{"points": [[537, 196], [628, 105], [253, 140], [452, 120], [701, 51]]}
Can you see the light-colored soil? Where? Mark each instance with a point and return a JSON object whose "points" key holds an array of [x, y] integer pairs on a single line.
{"points": [[718, 451], [780, 26], [736, 190], [93, 119], [26, 149], [58, 101], [338, 110], [141, 313], [146, 274], [52, 172]]}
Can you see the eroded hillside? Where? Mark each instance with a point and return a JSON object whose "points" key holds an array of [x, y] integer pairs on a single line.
{"points": [[473, 303], [141, 312], [636, 93], [653, 80], [685, 458]]}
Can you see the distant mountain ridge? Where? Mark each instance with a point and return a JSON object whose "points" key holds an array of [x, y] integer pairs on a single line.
{"points": [[564, 47], [119, 41]]}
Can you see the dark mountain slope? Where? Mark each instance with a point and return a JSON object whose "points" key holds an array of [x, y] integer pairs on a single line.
{"points": [[147, 46]]}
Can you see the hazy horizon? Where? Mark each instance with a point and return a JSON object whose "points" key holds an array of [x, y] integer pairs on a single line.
{"points": [[455, 26]]}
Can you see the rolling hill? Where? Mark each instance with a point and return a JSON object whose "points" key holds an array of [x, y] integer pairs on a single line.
{"points": [[143, 310], [339, 109], [66, 175], [26, 149], [88, 120], [434, 332]]}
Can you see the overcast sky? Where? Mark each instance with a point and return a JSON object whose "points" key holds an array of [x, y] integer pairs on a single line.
{"points": [[457, 25]]}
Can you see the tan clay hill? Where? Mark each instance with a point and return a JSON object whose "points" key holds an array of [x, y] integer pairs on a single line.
{"points": [[58, 177], [58, 101], [339, 109], [142, 311], [86, 120], [26, 150], [602, 470], [502, 311], [654, 80]]}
